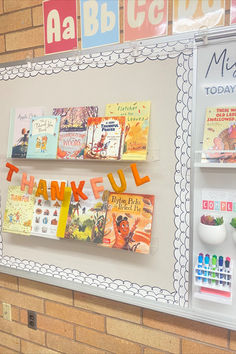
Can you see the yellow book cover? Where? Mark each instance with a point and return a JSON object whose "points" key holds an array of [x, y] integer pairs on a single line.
{"points": [[19, 211], [137, 126], [219, 140], [63, 213]]}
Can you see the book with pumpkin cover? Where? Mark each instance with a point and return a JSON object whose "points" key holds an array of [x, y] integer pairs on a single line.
{"points": [[73, 130], [43, 137], [86, 218], [19, 211], [219, 140], [105, 138], [137, 127], [129, 222]]}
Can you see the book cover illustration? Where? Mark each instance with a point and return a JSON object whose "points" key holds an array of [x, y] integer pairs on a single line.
{"points": [[19, 211], [105, 138], [219, 140], [129, 222], [86, 218], [73, 130], [46, 215], [43, 137], [137, 126], [20, 126]]}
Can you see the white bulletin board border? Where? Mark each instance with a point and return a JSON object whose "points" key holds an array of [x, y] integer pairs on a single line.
{"points": [[182, 50]]}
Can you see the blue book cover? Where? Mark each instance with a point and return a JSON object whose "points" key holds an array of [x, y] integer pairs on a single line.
{"points": [[43, 137]]}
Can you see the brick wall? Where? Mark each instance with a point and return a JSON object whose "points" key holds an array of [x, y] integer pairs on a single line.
{"points": [[73, 322], [69, 321]]}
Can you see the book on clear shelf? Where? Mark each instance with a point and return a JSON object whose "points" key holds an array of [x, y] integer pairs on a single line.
{"points": [[43, 137], [73, 130], [83, 220], [137, 115], [219, 141], [19, 211], [129, 222], [20, 119], [105, 138], [46, 214]]}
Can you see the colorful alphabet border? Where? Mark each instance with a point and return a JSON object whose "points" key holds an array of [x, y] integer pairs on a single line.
{"points": [[182, 50]]}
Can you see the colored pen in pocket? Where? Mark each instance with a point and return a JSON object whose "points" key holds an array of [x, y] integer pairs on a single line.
{"points": [[213, 264], [206, 268], [221, 276], [200, 262]]}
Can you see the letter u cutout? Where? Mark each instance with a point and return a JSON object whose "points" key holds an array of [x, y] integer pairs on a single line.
{"points": [[123, 186]]}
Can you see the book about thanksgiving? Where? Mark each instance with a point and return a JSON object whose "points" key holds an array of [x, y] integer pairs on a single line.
{"points": [[86, 218], [105, 138], [43, 137], [219, 140], [73, 130], [19, 211], [129, 222], [137, 126]]}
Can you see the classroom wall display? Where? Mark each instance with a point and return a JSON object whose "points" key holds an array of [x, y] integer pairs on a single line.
{"points": [[100, 24], [144, 20], [130, 275], [198, 14], [60, 25], [233, 12], [214, 175]]}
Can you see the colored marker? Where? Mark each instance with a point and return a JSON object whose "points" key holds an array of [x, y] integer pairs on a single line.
{"points": [[206, 267], [221, 276], [213, 262], [200, 262], [227, 264]]}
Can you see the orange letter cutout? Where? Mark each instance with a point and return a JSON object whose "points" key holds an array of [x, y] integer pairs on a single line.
{"points": [[55, 192], [123, 186], [78, 191], [42, 189], [12, 169], [139, 181], [96, 189], [29, 183]]}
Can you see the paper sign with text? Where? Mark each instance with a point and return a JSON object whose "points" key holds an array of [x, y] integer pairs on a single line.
{"points": [[100, 24], [233, 12], [145, 19], [60, 25], [197, 14]]}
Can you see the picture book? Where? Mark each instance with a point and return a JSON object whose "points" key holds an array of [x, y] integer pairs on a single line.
{"points": [[105, 138], [19, 211], [219, 140], [129, 222], [19, 130], [46, 215], [137, 126], [86, 218], [43, 137], [73, 130]]}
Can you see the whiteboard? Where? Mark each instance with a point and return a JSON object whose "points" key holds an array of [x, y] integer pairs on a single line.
{"points": [[216, 87], [157, 71]]}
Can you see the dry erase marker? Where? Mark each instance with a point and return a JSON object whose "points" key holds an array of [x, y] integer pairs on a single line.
{"points": [[206, 268], [200, 262], [221, 276], [213, 263], [227, 264]]}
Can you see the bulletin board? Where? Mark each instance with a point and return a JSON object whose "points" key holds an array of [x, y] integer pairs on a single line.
{"points": [[153, 70]]}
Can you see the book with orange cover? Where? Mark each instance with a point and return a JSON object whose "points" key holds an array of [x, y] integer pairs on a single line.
{"points": [[105, 138], [129, 222]]}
